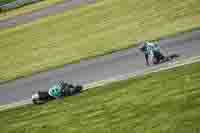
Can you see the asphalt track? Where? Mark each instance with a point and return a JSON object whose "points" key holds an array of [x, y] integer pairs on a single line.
{"points": [[41, 13], [187, 45]]}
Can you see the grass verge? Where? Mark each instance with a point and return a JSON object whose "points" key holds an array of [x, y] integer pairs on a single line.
{"points": [[89, 31], [27, 9], [5, 1], [166, 102]]}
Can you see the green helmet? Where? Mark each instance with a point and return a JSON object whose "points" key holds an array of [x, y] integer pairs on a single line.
{"points": [[55, 91]]}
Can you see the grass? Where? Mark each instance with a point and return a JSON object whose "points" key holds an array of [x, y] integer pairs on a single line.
{"points": [[164, 102], [5, 1], [92, 30], [27, 9]]}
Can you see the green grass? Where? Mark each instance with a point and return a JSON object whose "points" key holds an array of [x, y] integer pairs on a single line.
{"points": [[6, 1], [27, 9], [164, 102], [92, 30]]}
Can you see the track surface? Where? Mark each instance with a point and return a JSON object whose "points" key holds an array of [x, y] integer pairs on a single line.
{"points": [[88, 71], [48, 11]]}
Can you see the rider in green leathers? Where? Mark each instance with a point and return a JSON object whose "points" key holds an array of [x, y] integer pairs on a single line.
{"points": [[57, 90], [63, 89], [151, 51]]}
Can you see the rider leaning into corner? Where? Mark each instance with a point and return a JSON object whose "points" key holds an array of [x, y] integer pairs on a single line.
{"points": [[63, 89], [56, 91], [151, 52]]}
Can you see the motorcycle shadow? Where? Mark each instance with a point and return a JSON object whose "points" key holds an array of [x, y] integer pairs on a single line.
{"points": [[167, 59]]}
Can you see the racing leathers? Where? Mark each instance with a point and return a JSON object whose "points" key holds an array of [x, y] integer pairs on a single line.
{"points": [[152, 52]]}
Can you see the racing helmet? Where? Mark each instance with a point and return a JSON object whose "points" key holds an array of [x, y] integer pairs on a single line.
{"points": [[55, 91]]}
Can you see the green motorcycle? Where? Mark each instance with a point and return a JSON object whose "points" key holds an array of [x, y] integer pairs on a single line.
{"points": [[59, 90]]}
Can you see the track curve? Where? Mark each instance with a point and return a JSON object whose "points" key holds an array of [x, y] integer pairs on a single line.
{"points": [[88, 71]]}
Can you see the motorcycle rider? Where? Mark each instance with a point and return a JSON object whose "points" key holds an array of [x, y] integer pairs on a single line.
{"points": [[57, 90], [60, 90], [152, 53]]}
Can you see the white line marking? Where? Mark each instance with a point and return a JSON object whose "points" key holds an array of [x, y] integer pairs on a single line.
{"points": [[150, 70], [153, 69], [15, 104]]}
